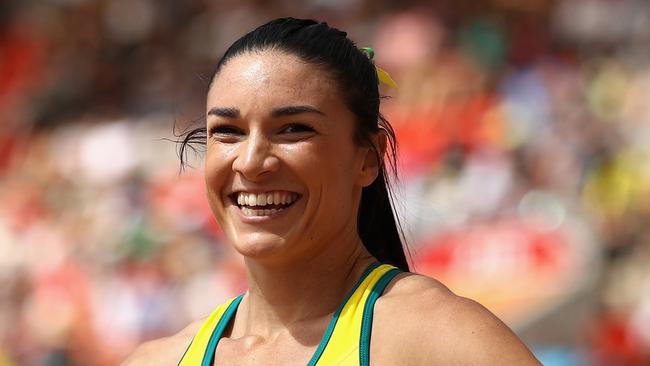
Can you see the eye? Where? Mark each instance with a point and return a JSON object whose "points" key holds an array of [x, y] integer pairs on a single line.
{"points": [[226, 130], [225, 133], [297, 128]]}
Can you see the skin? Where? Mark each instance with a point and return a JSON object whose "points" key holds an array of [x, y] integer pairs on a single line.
{"points": [[302, 263]]}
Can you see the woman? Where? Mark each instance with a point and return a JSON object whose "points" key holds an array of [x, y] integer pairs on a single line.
{"points": [[295, 176]]}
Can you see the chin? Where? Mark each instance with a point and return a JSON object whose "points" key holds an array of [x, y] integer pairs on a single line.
{"points": [[260, 245]]}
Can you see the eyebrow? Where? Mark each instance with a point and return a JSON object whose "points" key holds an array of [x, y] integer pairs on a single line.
{"points": [[275, 113], [224, 112], [293, 110]]}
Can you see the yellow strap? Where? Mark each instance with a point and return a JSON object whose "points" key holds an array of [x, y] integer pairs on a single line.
{"points": [[194, 354], [347, 333]]}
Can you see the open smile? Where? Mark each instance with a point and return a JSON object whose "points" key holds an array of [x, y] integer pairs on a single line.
{"points": [[263, 204]]}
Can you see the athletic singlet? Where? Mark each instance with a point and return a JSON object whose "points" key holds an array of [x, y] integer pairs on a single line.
{"points": [[346, 341]]}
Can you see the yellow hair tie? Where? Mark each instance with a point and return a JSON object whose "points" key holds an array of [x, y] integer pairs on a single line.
{"points": [[382, 74]]}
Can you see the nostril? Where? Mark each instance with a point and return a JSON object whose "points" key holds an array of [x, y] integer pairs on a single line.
{"points": [[255, 162]]}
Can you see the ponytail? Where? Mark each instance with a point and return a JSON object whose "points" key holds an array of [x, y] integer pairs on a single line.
{"points": [[377, 222], [378, 225]]}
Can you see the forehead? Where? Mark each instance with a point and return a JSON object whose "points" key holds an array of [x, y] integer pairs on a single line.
{"points": [[271, 77]]}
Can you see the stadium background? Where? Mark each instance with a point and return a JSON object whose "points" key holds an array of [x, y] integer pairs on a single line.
{"points": [[524, 129]]}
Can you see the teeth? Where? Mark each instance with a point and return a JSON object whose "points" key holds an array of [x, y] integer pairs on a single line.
{"points": [[251, 212], [263, 199]]}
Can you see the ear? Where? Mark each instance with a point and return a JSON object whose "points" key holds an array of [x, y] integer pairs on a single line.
{"points": [[372, 159]]}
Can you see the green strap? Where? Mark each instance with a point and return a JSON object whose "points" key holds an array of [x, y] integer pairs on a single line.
{"points": [[335, 317], [208, 356], [366, 323]]}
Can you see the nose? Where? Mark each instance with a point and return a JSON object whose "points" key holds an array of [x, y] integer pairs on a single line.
{"points": [[254, 158]]}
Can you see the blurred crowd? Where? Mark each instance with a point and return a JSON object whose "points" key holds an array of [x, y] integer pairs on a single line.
{"points": [[524, 132]]}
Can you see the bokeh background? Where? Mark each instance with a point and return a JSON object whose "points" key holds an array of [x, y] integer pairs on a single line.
{"points": [[524, 129]]}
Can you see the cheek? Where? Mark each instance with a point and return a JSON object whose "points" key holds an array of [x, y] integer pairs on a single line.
{"points": [[217, 170], [327, 162], [329, 172]]}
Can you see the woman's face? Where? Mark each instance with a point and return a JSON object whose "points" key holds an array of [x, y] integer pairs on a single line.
{"points": [[283, 174]]}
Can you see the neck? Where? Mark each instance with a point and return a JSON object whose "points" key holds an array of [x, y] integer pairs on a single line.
{"points": [[294, 294]]}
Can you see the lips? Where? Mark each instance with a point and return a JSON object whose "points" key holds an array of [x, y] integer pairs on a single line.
{"points": [[263, 203]]}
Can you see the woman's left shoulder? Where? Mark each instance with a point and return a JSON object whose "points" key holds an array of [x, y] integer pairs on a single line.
{"points": [[421, 318]]}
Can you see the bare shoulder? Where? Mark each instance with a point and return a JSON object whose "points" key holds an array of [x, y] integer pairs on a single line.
{"points": [[163, 351], [421, 319]]}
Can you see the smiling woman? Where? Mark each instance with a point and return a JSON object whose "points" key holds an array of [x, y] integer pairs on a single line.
{"points": [[295, 176]]}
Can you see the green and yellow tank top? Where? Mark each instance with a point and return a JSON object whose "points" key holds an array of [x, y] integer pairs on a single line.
{"points": [[346, 341]]}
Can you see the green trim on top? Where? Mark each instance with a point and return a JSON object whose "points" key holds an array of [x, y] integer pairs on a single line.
{"points": [[335, 317], [208, 356], [366, 323]]}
